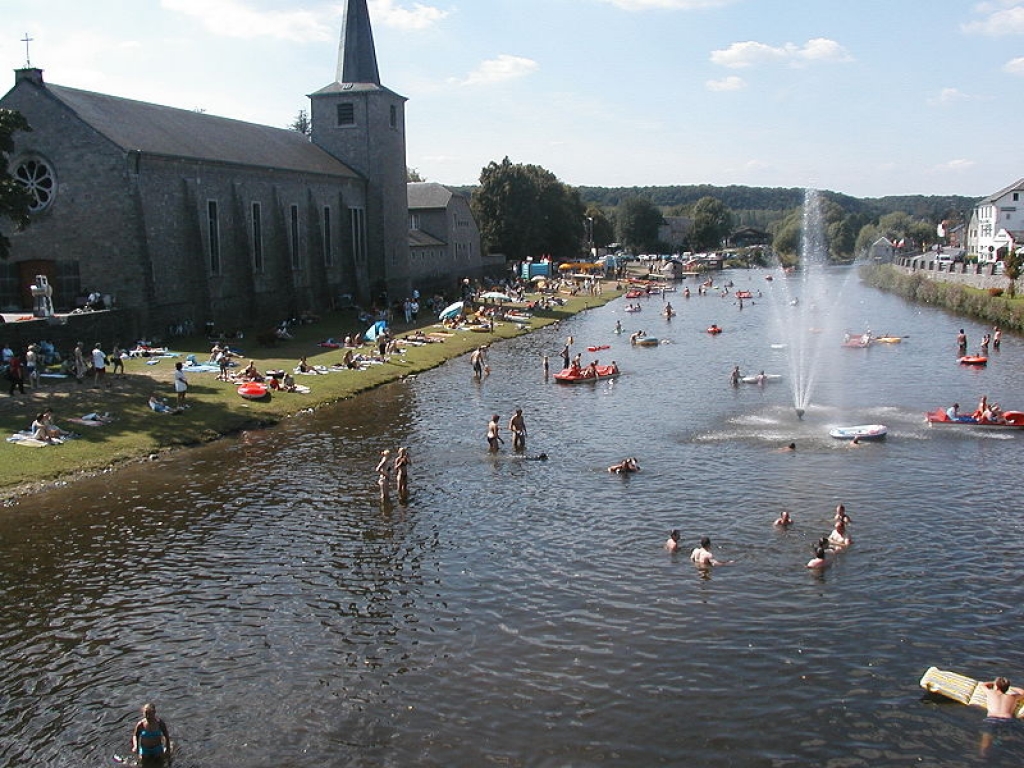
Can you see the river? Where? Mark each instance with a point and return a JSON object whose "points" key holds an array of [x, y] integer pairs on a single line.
{"points": [[524, 613]]}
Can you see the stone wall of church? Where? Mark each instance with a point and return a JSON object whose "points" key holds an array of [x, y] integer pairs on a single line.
{"points": [[91, 222], [374, 145], [202, 231]]}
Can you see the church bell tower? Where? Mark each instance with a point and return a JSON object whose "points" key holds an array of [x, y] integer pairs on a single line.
{"points": [[362, 124]]}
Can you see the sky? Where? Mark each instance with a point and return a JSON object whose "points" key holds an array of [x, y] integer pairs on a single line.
{"points": [[864, 97]]}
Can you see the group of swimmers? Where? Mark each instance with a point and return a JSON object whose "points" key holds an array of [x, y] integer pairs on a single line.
{"points": [[836, 541]]}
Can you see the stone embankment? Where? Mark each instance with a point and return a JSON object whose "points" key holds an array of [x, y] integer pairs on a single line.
{"points": [[981, 276]]}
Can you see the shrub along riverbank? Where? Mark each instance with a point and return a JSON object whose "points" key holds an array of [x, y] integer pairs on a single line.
{"points": [[1001, 310], [215, 408]]}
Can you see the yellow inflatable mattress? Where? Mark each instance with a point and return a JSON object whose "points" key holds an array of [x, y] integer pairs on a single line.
{"points": [[960, 688]]}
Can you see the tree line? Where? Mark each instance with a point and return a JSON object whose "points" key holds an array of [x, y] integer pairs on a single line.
{"points": [[525, 211]]}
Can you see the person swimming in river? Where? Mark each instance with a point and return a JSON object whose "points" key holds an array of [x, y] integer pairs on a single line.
{"points": [[784, 520], [626, 466]]}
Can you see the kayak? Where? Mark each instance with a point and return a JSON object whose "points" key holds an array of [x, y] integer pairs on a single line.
{"points": [[599, 347], [1012, 420], [571, 376], [759, 379], [253, 390], [972, 360], [861, 431], [888, 339], [744, 295]]}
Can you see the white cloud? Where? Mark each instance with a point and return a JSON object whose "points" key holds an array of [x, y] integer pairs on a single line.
{"points": [[667, 5], [730, 83], [1001, 18], [1015, 66], [750, 53], [231, 18], [948, 97], [960, 164], [418, 17], [503, 68]]}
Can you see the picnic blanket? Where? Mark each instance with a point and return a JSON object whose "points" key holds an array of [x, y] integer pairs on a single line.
{"points": [[25, 439]]}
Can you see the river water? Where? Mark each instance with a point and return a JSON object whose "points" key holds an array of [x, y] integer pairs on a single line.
{"points": [[524, 613]]}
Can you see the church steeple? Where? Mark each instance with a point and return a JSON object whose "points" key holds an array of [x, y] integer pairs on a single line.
{"points": [[357, 59]]}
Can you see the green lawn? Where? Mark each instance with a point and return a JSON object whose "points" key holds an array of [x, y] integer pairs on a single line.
{"points": [[215, 407]]}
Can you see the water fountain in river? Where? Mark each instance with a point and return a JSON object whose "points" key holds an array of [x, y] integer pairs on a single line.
{"points": [[805, 303]]}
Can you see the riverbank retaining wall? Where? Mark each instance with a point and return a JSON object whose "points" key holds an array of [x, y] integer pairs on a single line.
{"points": [[982, 276]]}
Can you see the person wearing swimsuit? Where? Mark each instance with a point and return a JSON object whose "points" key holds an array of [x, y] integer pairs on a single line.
{"points": [[151, 738]]}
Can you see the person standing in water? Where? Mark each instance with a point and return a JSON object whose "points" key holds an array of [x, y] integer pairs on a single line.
{"points": [[401, 468], [494, 440], [384, 475], [672, 543], [151, 737], [517, 426]]}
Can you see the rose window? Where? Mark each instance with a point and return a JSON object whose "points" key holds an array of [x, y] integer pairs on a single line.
{"points": [[37, 177]]}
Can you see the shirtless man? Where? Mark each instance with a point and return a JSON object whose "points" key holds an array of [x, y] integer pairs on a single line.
{"points": [[477, 360], [672, 543], [1001, 699], [494, 440], [820, 559], [702, 556], [1001, 702], [784, 520], [517, 426]]}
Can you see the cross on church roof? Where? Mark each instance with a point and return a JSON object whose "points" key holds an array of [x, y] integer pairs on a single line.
{"points": [[26, 40]]}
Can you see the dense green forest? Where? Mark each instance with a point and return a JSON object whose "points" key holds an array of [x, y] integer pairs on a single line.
{"points": [[762, 207], [630, 215], [759, 206]]}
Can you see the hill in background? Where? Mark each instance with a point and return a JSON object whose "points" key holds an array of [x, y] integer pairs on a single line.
{"points": [[760, 206]]}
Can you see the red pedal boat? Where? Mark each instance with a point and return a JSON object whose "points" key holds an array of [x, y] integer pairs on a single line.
{"points": [[1010, 420], [582, 376]]}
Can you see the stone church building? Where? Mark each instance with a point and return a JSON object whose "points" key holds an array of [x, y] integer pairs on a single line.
{"points": [[185, 219]]}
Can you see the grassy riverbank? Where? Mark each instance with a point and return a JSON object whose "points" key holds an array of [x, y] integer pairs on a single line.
{"points": [[1004, 311], [215, 408]]}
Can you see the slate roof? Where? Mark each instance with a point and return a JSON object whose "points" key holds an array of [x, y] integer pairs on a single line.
{"points": [[357, 56], [1015, 187], [152, 128], [428, 194], [420, 239]]}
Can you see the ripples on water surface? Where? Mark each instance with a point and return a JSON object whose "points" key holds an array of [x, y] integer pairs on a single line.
{"points": [[523, 613]]}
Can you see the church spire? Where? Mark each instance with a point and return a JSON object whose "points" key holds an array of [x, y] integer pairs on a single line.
{"points": [[357, 59]]}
